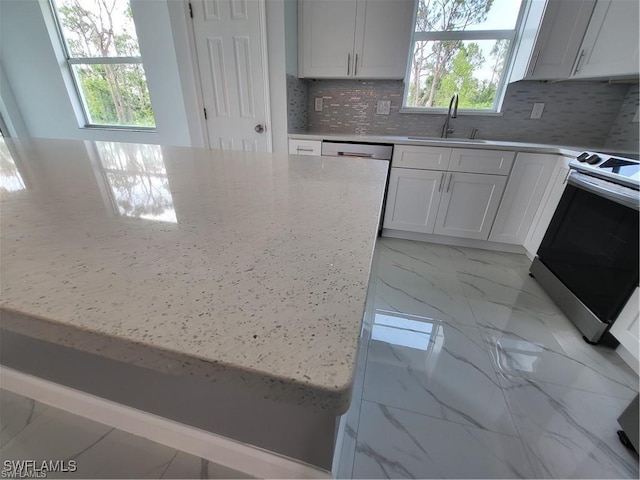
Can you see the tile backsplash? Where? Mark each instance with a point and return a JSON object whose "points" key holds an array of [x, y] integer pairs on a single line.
{"points": [[575, 113], [625, 132], [297, 93]]}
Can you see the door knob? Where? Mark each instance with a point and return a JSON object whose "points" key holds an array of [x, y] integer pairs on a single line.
{"points": [[259, 128]]}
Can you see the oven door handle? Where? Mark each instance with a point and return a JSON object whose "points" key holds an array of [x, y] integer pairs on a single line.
{"points": [[622, 195]]}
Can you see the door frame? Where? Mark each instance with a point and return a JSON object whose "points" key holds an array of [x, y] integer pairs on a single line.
{"points": [[265, 72]]}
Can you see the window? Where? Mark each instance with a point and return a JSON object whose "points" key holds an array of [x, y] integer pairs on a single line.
{"points": [[460, 46], [103, 56]]}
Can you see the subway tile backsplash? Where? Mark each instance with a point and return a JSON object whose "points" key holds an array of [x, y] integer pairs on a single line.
{"points": [[575, 113], [297, 92]]}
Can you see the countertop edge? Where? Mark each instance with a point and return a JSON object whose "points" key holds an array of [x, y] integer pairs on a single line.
{"points": [[569, 151]]}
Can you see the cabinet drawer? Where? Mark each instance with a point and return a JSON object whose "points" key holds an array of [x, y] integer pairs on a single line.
{"points": [[305, 147], [424, 158], [496, 162]]}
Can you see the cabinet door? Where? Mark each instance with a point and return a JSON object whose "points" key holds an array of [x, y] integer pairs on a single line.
{"points": [[469, 205], [326, 36], [383, 34], [626, 328], [305, 147], [525, 188], [412, 201], [495, 162], [610, 46], [412, 156], [550, 200], [559, 39]]}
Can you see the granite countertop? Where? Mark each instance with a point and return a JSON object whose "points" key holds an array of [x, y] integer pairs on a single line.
{"points": [[242, 267], [569, 151]]}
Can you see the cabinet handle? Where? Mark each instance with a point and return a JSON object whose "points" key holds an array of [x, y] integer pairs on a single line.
{"points": [[449, 184], [355, 66], [535, 62], [441, 181], [578, 62], [304, 149], [348, 63]]}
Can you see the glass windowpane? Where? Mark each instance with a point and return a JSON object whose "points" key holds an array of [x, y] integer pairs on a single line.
{"points": [[472, 68], [458, 15], [98, 28], [115, 94]]}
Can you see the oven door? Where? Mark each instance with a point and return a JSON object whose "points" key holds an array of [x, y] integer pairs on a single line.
{"points": [[591, 244]]}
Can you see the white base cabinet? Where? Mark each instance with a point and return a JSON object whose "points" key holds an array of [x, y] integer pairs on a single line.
{"points": [[413, 199], [626, 329], [550, 200], [305, 147], [522, 197], [469, 204]]}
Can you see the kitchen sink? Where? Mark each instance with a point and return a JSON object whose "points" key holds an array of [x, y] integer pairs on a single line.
{"points": [[457, 140]]}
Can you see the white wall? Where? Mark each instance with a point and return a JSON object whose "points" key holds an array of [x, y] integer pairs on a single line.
{"points": [[35, 76], [275, 12]]}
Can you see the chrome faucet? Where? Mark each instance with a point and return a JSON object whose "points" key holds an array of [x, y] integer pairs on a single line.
{"points": [[450, 114]]}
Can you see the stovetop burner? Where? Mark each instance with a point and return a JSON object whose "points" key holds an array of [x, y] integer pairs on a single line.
{"points": [[620, 170]]}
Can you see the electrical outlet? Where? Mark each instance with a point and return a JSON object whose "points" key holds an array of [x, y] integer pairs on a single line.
{"points": [[536, 112], [318, 104], [384, 107]]}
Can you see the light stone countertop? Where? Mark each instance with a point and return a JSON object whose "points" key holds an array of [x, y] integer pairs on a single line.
{"points": [[569, 151], [226, 266]]}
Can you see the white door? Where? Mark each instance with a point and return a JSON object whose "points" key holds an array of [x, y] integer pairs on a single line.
{"points": [[469, 204], [231, 48], [412, 201]]}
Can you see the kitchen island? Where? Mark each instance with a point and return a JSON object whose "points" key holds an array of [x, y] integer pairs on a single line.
{"points": [[231, 283]]}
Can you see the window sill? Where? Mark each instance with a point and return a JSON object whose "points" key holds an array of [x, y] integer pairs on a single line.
{"points": [[443, 111], [116, 128]]}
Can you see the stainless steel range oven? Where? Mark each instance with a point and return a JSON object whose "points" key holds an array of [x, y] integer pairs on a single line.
{"points": [[588, 259]]}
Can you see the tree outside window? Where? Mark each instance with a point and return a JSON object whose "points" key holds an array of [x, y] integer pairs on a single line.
{"points": [[103, 55], [460, 46]]}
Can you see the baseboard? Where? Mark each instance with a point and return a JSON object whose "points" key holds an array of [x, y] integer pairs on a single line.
{"points": [[221, 450], [454, 241]]}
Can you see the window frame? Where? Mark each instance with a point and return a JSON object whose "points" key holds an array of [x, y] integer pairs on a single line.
{"points": [[465, 35], [79, 94]]}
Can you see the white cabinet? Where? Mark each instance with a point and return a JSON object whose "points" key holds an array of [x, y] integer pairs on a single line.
{"points": [[469, 204], [610, 45], [304, 147], [559, 38], [522, 197], [550, 200], [496, 162], [412, 156], [354, 38], [412, 199], [626, 329], [446, 191]]}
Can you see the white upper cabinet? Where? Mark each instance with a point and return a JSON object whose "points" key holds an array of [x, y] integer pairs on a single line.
{"points": [[610, 45], [559, 37], [354, 38]]}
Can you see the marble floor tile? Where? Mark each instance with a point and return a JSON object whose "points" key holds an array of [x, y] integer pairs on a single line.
{"points": [[16, 413], [394, 443], [546, 361], [123, 455], [569, 433], [189, 466], [346, 450], [420, 290], [434, 368], [55, 435]]}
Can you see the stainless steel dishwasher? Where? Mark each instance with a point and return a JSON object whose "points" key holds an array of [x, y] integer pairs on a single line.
{"points": [[360, 150]]}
